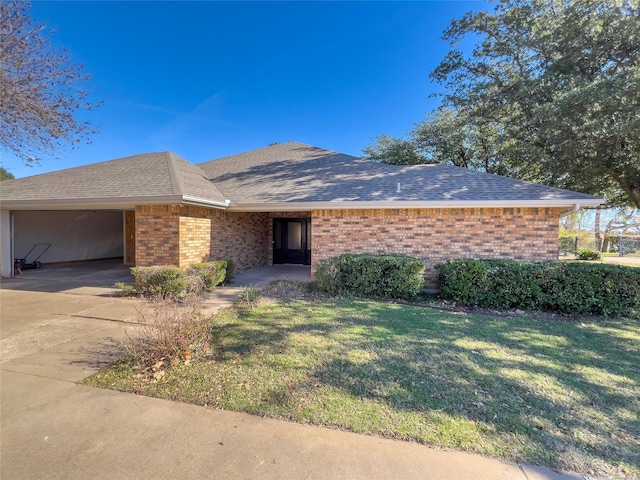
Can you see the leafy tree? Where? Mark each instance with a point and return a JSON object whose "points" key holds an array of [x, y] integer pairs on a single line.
{"points": [[4, 175], [550, 92], [40, 88], [397, 151]]}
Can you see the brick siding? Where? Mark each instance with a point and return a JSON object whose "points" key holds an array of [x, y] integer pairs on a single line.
{"points": [[171, 235], [437, 235], [195, 239], [157, 235], [182, 235], [243, 237]]}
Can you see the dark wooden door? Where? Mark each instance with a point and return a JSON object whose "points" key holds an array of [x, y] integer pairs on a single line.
{"points": [[292, 240]]}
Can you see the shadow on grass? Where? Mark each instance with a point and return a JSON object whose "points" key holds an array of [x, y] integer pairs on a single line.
{"points": [[564, 393]]}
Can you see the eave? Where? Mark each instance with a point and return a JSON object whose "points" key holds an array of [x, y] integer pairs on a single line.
{"points": [[110, 203], [356, 205]]}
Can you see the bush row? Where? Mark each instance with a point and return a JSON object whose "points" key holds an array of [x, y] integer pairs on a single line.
{"points": [[174, 282], [377, 276], [570, 288]]}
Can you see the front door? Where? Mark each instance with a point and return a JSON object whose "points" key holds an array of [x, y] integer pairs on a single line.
{"points": [[292, 240]]}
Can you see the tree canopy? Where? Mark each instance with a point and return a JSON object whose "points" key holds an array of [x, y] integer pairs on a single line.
{"points": [[40, 88], [549, 93], [5, 175]]}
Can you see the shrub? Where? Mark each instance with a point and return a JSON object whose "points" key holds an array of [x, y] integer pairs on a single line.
{"points": [[377, 276], [207, 271], [126, 289], [567, 244], [163, 281], [586, 254], [569, 288], [229, 271], [327, 276], [173, 282], [220, 271], [168, 331]]}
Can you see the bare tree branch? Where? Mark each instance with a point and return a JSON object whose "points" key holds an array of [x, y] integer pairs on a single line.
{"points": [[40, 89]]}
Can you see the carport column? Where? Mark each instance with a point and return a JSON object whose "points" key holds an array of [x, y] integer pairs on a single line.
{"points": [[178, 235], [6, 244], [157, 235]]}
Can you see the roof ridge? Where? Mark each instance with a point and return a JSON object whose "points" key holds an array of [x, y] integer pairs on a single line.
{"points": [[174, 175]]}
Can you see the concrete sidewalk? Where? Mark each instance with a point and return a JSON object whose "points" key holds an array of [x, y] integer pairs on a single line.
{"points": [[53, 428]]}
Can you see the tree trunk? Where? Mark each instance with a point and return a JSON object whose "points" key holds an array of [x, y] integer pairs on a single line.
{"points": [[631, 190]]}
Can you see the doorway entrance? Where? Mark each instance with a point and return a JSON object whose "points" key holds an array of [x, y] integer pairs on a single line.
{"points": [[292, 240]]}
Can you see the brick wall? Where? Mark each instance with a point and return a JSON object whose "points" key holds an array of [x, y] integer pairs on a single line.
{"points": [[171, 235], [195, 239], [437, 235], [157, 233], [243, 237]]}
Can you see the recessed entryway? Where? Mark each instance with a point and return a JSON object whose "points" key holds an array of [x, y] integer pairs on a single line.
{"points": [[292, 240]]}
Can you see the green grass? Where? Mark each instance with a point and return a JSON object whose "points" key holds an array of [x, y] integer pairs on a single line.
{"points": [[551, 392], [632, 260]]}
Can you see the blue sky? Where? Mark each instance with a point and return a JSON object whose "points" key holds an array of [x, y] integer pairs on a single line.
{"points": [[209, 79]]}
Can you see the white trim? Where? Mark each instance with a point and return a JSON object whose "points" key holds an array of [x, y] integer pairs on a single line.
{"points": [[575, 208], [355, 205], [123, 203], [187, 199], [129, 203]]}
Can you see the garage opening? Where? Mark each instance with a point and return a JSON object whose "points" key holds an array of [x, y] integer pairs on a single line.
{"points": [[74, 235]]}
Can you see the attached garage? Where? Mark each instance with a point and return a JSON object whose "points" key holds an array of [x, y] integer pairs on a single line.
{"points": [[89, 212], [74, 235]]}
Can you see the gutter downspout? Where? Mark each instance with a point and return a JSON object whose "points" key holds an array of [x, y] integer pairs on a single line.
{"points": [[575, 208]]}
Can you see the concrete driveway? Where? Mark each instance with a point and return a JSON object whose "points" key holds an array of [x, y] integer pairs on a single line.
{"points": [[52, 428]]}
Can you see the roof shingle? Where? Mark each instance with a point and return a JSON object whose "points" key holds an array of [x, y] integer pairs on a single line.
{"points": [[288, 175], [151, 175], [295, 172]]}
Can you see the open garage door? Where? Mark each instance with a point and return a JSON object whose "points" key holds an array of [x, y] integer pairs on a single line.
{"points": [[74, 235]]}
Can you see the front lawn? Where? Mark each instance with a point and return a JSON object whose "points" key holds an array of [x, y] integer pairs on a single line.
{"points": [[559, 393]]}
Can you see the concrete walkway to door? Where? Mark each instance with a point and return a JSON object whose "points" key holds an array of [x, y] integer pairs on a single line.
{"points": [[261, 276], [51, 427]]}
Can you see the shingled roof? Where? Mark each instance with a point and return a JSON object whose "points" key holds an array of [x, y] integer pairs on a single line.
{"points": [[295, 176], [283, 177], [148, 178]]}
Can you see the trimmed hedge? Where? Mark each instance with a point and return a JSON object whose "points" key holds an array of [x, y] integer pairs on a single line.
{"points": [[377, 276], [169, 281], [569, 288], [165, 281], [214, 272]]}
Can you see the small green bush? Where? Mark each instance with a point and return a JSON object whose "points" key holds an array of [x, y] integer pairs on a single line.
{"points": [[221, 271], [377, 276], [207, 272], [327, 276], [229, 271], [567, 244], [569, 288], [163, 281], [586, 254], [174, 282]]}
